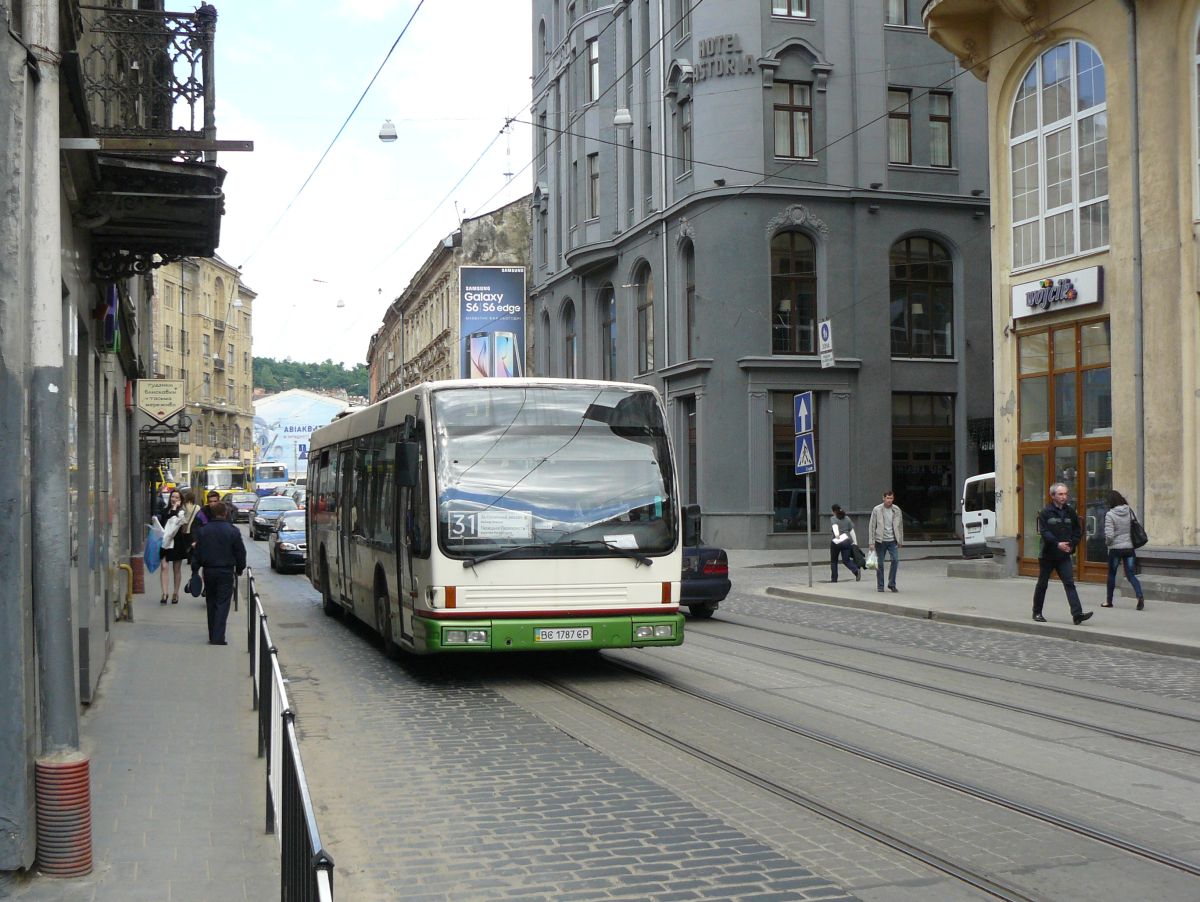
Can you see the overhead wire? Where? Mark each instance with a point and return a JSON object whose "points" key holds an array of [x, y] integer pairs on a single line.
{"points": [[340, 130]]}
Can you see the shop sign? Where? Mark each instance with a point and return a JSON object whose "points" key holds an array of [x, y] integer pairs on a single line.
{"points": [[1072, 289], [160, 398]]}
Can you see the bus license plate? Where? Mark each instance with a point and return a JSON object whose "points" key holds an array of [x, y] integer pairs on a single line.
{"points": [[563, 634]]}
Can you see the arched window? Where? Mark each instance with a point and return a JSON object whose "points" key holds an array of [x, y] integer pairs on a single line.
{"points": [[922, 293], [246, 439], [645, 318], [1058, 153], [688, 254], [546, 342], [541, 60], [793, 294], [237, 441], [608, 331], [569, 339], [212, 435]]}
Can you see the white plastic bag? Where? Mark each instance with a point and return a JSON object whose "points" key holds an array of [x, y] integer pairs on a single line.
{"points": [[872, 560]]}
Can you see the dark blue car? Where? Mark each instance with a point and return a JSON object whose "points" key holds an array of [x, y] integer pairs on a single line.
{"points": [[705, 580], [266, 512], [287, 543]]}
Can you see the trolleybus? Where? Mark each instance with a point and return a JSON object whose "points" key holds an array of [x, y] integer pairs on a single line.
{"points": [[500, 515], [268, 476], [221, 475]]}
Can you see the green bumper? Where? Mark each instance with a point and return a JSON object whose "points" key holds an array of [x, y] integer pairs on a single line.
{"points": [[522, 635]]}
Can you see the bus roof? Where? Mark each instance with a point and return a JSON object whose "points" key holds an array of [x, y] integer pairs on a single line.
{"points": [[370, 419]]}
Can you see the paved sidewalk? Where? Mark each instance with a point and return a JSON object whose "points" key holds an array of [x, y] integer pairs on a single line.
{"points": [[178, 808], [927, 592]]}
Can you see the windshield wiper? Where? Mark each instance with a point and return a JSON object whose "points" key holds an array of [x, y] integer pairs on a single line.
{"points": [[620, 549], [472, 561]]}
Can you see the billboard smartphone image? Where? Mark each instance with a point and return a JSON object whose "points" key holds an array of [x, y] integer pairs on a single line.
{"points": [[508, 363], [492, 321], [479, 348]]}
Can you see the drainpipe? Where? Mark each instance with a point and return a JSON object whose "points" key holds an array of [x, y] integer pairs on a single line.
{"points": [[1139, 385], [48, 408], [62, 794], [663, 172]]}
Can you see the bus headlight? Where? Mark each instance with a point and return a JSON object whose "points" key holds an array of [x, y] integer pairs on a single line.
{"points": [[656, 631], [465, 637]]}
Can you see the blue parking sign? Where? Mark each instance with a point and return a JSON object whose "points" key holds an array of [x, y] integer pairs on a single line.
{"points": [[806, 455]]}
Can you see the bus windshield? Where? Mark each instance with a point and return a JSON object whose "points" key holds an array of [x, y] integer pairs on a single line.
{"points": [[545, 470]]}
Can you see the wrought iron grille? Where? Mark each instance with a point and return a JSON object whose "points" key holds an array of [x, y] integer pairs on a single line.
{"points": [[149, 73]]}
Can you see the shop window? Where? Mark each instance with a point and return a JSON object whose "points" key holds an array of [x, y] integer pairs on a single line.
{"points": [[793, 496], [923, 464]]}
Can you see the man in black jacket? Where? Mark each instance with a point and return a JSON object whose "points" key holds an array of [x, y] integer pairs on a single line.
{"points": [[219, 549], [1061, 531]]}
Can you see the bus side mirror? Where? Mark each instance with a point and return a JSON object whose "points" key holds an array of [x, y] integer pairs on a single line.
{"points": [[407, 469], [691, 525]]}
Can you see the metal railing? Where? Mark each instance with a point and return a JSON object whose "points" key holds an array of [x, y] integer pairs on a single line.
{"points": [[306, 869], [149, 73]]}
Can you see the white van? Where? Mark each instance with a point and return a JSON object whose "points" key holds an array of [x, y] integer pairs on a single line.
{"points": [[978, 510]]}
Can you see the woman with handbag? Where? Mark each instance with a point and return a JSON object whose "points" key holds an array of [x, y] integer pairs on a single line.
{"points": [[164, 516], [177, 541], [842, 544], [1118, 536]]}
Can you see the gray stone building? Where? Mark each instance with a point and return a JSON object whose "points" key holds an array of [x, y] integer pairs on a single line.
{"points": [[709, 191]]}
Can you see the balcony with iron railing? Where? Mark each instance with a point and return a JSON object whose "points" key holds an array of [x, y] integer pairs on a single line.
{"points": [[141, 84]]}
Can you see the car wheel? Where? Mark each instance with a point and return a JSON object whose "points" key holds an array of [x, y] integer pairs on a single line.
{"points": [[702, 611]]}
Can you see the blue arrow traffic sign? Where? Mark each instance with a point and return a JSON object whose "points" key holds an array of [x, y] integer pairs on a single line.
{"points": [[803, 413], [806, 455]]}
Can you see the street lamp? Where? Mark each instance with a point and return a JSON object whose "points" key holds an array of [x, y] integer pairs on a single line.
{"points": [[387, 132]]}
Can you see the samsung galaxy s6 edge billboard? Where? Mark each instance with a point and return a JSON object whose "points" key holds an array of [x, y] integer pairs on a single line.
{"points": [[492, 319]]}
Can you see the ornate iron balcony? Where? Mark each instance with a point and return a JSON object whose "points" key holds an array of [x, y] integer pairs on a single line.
{"points": [[149, 74]]}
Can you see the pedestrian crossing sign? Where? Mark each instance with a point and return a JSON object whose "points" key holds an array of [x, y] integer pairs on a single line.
{"points": [[806, 455]]}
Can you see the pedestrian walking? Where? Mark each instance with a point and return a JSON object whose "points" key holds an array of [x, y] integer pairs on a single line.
{"points": [[221, 554], [1118, 522], [1061, 531], [170, 561], [886, 533], [842, 544]]}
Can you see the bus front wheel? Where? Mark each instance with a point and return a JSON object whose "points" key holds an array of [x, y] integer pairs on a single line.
{"points": [[383, 620], [328, 605]]}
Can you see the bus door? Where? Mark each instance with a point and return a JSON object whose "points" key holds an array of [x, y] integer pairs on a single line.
{"points": [[345, 512], [412, 512]]}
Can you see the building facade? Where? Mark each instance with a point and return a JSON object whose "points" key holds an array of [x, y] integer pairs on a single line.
{"points": [[102, 176], [420, 338], [202, 316], [711, 188], [1095, 166]]}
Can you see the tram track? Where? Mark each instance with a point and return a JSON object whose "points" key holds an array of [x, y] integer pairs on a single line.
{"points": [[972, 697], [962, 872], [776, 630]]}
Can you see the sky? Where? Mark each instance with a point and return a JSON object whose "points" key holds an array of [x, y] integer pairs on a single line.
{"points": [[288, 73]]}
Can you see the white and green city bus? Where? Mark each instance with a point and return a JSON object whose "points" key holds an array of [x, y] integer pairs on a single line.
{"points": [[500, 515]]}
